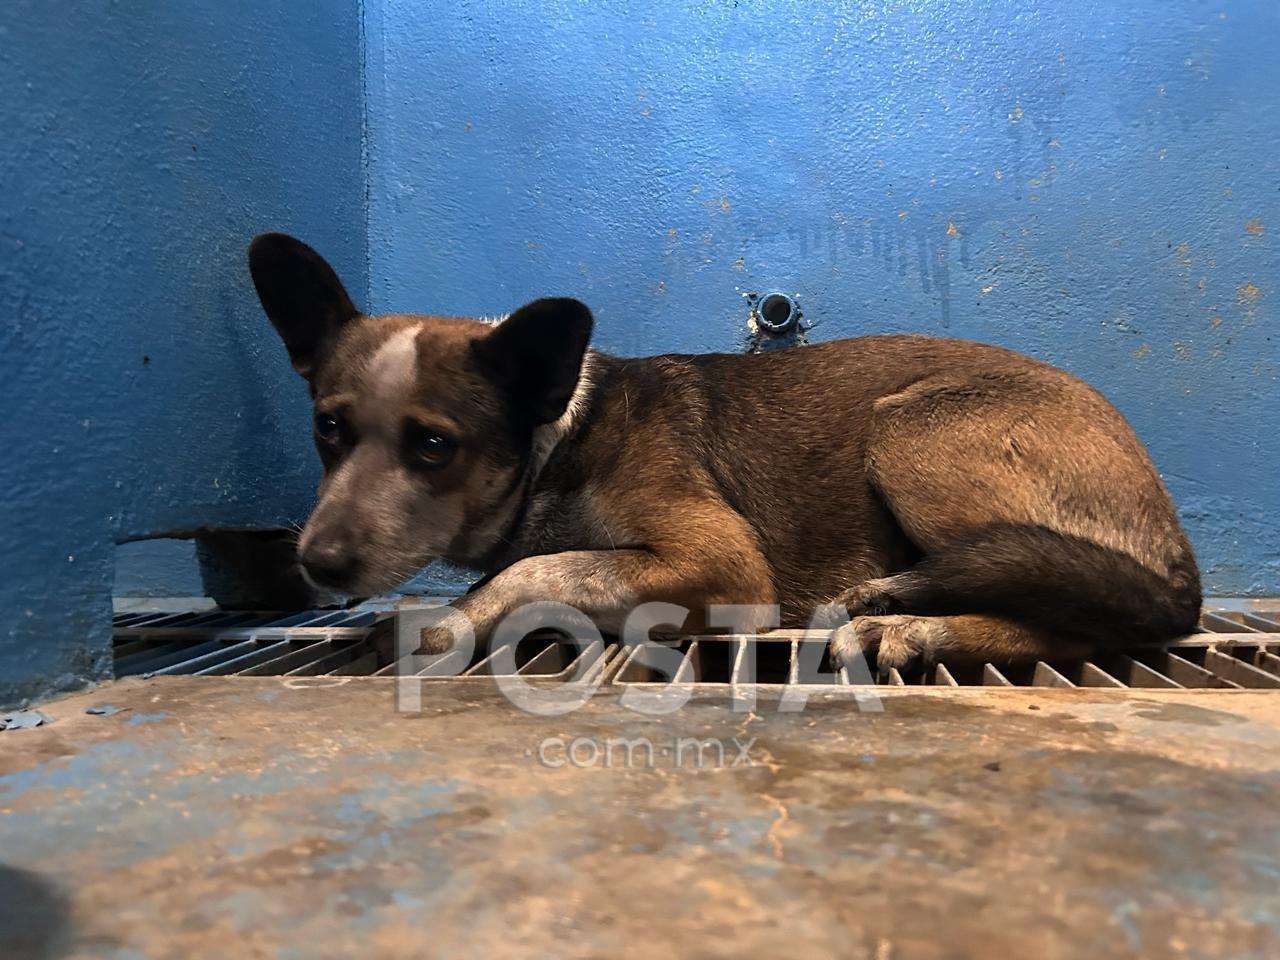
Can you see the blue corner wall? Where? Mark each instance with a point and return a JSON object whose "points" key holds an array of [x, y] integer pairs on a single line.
{"points": [[142, 389], [1096, 183]]}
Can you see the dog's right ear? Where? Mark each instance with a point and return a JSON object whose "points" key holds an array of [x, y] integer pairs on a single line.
{"points": [[302, 296]]}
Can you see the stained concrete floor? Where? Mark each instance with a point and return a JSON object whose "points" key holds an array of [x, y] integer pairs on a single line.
{"points": [[289, 818]]}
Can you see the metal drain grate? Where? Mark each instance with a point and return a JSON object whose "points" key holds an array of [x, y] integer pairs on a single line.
{"points": [[1238, 649], [225, 643], [1201, 661], [542, 656]]}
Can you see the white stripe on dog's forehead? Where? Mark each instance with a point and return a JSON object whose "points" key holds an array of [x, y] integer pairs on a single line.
{"points": [[392, 371]]}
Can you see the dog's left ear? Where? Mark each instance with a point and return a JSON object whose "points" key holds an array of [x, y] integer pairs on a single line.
{"points": [[303, 297], [536, 354]]}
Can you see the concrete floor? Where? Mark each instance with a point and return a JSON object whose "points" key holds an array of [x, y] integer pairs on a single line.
{"points": [[291, 818]]}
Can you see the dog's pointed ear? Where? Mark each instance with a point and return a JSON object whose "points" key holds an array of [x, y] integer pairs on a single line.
{"points": [[303, 297], [536, 354]]}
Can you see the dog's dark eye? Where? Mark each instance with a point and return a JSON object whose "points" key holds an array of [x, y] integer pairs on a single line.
{"points": [[428, 448], [328, 426]]}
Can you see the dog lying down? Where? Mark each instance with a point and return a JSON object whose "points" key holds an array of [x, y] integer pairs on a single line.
{"points": [[957, 499]]}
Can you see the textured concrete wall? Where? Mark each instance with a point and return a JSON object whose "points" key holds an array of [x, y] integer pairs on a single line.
{"points": [[1092, 182], [142, 389]]}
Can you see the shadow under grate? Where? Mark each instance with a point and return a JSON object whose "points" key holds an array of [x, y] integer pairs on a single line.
{"points": [[1237, 650]]}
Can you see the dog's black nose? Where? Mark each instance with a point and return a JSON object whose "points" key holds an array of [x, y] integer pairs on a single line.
{"points": [[331, 565]]}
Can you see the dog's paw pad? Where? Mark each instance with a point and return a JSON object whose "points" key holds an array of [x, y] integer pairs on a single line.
{"points": [[888, 642]]}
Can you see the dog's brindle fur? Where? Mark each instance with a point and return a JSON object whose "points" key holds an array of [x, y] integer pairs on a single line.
{"points": [[956, 498]]}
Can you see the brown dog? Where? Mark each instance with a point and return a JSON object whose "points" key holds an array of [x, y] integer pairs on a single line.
{"points": [[957, 498]]}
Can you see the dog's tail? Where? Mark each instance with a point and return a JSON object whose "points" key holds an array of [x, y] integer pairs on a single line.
{"points": [[1061, 583]]}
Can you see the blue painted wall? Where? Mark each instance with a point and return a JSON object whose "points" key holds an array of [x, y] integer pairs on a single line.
{"points": [[1093, 182], [142, 389], [157, 568]]}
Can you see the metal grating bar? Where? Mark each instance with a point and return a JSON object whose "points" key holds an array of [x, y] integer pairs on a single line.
{"points": [[124, 647], [1267, 661], [992, 677], [1226, 621], [195, 663], [556, 659], [1091, 675], [596, 668], [1242, 651], [1183, 671], [1198, 641], [779, 662], [132, 619], [1266, 622], [265, 650], [155, 657], [297, 619], [361, 666], [290, 660], [638, 666], [548, 661], [486, 665], [173, 619], [1134, 673], [1237, 671], [1046, 676], [335, 656], [451, 664], [746, 667], [690, 668]]}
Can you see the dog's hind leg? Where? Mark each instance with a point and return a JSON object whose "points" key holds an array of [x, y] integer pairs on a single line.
{"points": [[903, 640], [1031, 500], [1066, 586]]}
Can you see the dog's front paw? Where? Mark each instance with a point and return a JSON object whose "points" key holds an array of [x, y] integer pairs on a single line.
{"points": [[889, 642], [394, 637], [436, 640], [455, 627], [871, 598]]}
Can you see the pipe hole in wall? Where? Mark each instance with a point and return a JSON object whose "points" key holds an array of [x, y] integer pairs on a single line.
{"points": [[777, 313], [774, 320]]}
